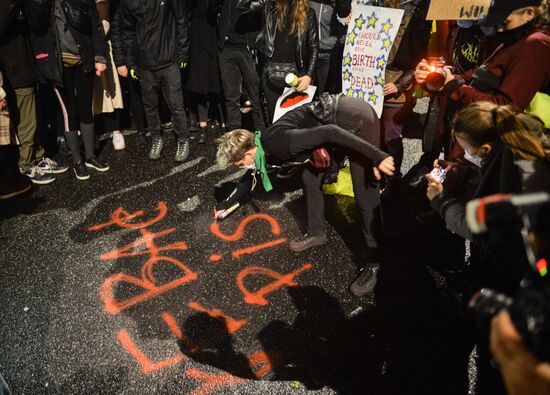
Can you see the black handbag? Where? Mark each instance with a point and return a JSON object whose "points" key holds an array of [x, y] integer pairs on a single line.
{"points": [[483, 80], [77, 16], [277, 72]]}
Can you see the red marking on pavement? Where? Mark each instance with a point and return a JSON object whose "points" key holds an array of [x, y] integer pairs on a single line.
{"points": [[215, 258], [258, 297], [147, 366], [232, 324], [250, 250], [121, 216], [212, 381], [275, 228], [261, 363]]}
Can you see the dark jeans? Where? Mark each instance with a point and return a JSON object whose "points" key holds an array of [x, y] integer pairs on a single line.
{"points": [[75, 97], [323, 67], [238, 69], [168, 81], [365, 186]]}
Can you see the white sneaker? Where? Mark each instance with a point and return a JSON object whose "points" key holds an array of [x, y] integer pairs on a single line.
{"points": [[118, 140]]}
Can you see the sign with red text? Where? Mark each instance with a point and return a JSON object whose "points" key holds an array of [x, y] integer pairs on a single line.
{"points": [[371, 33], [457, 9]]}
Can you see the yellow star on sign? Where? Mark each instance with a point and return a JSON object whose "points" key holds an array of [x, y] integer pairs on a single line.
{"points": [[372, 97], [379, 80], [347, 60], [386, 27], [386, 44], [372, 20], [349, 92], [359, 22], [360, 94], [351, 37], [381, 62], [346, 75]]}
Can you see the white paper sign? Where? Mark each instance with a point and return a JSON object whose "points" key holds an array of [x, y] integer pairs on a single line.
{"points": [[291, 99], [370, 37]]}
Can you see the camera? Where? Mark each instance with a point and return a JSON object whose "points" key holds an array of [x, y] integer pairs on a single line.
{"points": [[525, 219], [436, 79]]}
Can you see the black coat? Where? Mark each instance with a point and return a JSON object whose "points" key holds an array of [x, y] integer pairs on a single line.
{"points": [[45, 41], [307, 51], [246, 23], [204, 71], [154, 33], [16, 58]]}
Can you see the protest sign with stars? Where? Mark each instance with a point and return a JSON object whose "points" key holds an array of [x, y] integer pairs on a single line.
{"points": [[370, 37]]}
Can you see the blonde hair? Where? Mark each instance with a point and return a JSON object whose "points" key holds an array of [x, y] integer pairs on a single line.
{"points": [[233, 145], [485, 123], [299, 15]]}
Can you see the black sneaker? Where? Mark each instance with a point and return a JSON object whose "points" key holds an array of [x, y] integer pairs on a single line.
{"points": [[141, 142], [13, 186], [95, 163], [80, 171], [306, 241], [182, 151], [202, 136], [366, 281]]}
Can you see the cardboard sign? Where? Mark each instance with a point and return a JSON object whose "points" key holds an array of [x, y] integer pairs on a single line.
{"points": [[291, 99], [371, 34], [457, 9]]}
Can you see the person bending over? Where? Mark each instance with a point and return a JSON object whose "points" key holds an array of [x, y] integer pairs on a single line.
{"points": [[348, 127]]}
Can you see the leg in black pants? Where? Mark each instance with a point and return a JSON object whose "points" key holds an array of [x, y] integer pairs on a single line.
{"points": [[323, 67]]}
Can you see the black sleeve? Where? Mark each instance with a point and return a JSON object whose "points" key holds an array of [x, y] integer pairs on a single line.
{"points": [[242, 190], [454, 214], [127, 30], [343, 8], [251, 6], [312, 44], [116, 42], [98, 35], [6, 14], [182, 26], [301, 140]]}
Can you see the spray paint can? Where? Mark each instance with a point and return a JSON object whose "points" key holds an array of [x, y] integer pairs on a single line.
{"points": [[291, 80]]}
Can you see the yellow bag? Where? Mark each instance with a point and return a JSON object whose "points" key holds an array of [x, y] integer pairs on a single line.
{"points": [[540, 106], [344, 185]]}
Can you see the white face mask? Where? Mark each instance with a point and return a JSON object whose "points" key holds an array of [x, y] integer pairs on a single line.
{"points": [[476, 160], [251, 166]]}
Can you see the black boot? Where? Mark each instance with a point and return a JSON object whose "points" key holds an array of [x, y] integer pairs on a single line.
{"points": [[88, 137], [74, 143]]}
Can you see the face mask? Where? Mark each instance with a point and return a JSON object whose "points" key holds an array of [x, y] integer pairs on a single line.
{"points": [[251, 166], [509, 37], [474, 159], [489, 31], [465, 24]]}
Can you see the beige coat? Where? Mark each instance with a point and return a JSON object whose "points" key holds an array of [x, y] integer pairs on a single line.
{"points": [[6, 135], [107, 91]]}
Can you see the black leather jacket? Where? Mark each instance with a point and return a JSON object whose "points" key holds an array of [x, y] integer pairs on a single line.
{"points": [[307, 51]]}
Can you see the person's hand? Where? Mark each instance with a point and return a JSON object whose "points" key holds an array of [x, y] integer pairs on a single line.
{"points": [[434, 187], [122, 71], [303, 83], [445, 164], [421, 72], [100, 68], [390, 89], [448, 75], [386, 166], [3, 104], [522, 372]]}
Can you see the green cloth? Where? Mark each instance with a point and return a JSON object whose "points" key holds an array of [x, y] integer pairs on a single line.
{"points": [[260, 162], [344, 185], [540, 106]]}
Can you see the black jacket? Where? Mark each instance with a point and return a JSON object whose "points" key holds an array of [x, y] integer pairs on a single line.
{"points": [[307, 51], [154, 33], [45, 40], [16, 58], [246, 23]]}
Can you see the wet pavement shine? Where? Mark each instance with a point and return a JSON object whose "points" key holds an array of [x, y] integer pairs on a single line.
{"points": [[124, 284]]}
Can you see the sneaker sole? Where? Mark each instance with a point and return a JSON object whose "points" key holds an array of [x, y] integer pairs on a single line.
{"points": [[45, 182], [81, 178], [119, 148], [96, 168], [50, 171], [300, 249], [15, 193]]}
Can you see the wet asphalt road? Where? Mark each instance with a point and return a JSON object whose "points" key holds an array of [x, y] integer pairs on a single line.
{"points": [[121, 284]]}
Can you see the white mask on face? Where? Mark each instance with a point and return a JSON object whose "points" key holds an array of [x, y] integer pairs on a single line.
{"points": [[251, 166], [476, 160]]}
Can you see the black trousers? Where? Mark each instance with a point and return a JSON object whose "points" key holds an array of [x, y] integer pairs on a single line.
{"points": [[238, 70], [168, 81], [365, 186], [323, 67], [75, 97]]}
